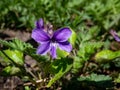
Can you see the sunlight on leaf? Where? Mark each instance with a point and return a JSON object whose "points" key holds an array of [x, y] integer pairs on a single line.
{"points": [[14, 55], [78, 63], [10, 70], [117, 80], [59, 68], [73, 37], [106, 55], [61, 53]]}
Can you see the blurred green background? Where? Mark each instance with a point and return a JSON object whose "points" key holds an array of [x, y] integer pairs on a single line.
{"points": [[21, 14]]}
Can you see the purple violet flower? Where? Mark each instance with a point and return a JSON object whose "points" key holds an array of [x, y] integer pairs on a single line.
{"points": [[50, 41], [115, 35]]}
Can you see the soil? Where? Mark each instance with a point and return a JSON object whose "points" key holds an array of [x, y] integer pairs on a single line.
{"points": [[10, 34]]}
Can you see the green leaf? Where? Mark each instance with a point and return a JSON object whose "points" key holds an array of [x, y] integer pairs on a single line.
{"points": [[6, 70], [26, 48], [94, 31], [106, 55], [117, 80], [16, 44], [88, 48], [73, 37], [3, 59], [61, 53], [10, 70], [77, 64], [27, 88], [117, 62], [97, 80], [59, 68], [13, 56]]}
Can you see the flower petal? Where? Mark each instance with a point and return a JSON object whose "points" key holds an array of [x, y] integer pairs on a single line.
{"points": [[117, 38], [39, 24], [40, 36], [65, 46], [53, 51], [115, 35], [62, 34], [43, 48]]}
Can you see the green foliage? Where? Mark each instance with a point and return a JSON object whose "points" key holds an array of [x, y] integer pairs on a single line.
{"points": [[97, 80], [59, 68], [10, 70], [104, 12], [88, 34], [16, 44], [23, 13], [116, 62], [12, 60], [106, 56], [27, 88], [12, 55], [77, 64], [73, 37], [117, 80], [61, 53], [26, 48], [87, 49]]}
